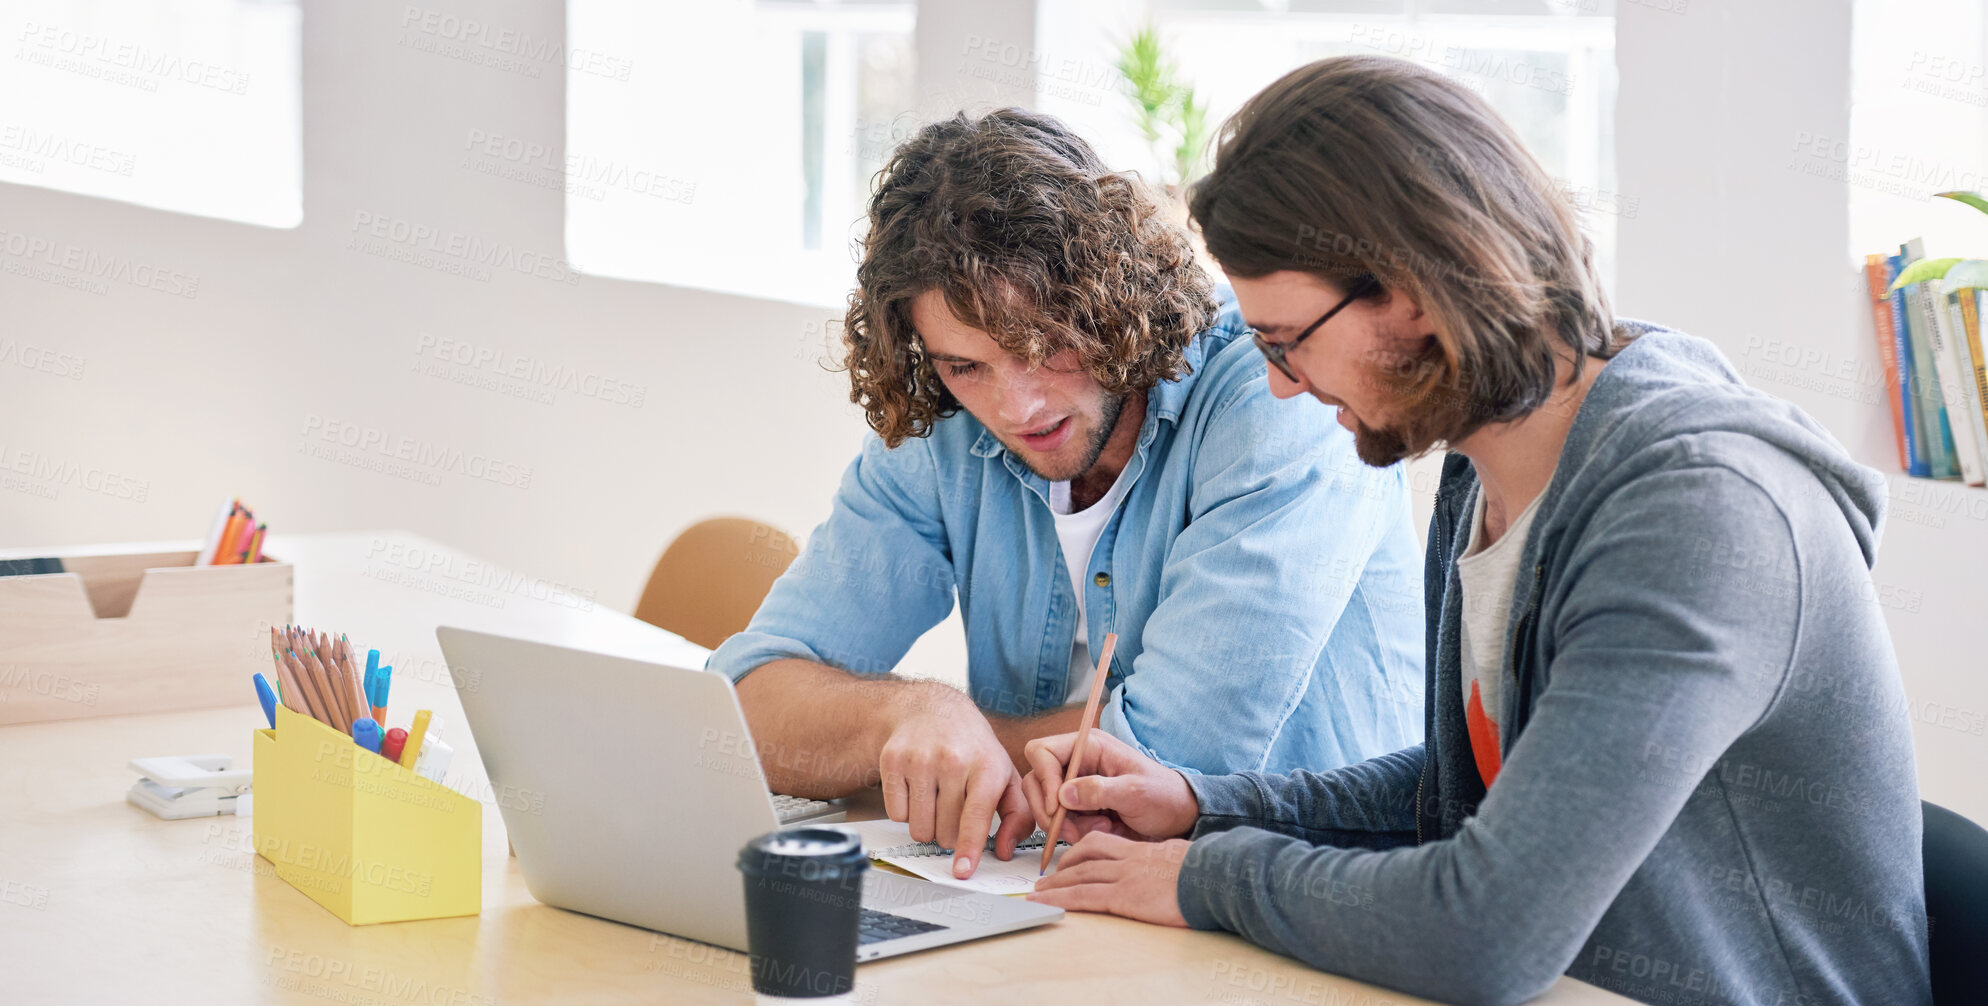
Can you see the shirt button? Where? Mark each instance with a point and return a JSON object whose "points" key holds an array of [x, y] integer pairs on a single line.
{"points": [[1102, 579]]}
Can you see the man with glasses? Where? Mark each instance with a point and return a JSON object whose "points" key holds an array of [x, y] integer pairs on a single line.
{"points": [[1276, 352], [1668, 750], [1074, 441]]}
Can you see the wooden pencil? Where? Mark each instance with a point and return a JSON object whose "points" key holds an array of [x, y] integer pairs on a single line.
{"points": [[321, 685], [306, 687], [1098, 674], [354, 691], [329, 687], [292, 692], [314, 704]]}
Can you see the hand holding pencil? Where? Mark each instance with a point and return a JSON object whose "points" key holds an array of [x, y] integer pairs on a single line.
{"points": [[1110, 786], [1115, 789], [1099, 672]]}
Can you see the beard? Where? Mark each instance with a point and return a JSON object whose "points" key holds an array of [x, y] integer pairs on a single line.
{"points": [[1379, 447], [1421, 422], [1108, 414]]}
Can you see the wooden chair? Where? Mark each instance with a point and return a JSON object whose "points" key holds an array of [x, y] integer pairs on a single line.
{"points": [[713, 576]]}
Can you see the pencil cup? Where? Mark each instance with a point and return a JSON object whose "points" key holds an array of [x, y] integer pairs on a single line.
{"points": [[803, 900], [358, 834]]}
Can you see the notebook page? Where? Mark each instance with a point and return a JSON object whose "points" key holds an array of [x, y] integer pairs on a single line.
{"points": [[883, 837], [1016, 876], [890, 842]]}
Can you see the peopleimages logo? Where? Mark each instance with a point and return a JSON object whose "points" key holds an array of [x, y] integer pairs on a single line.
{"points": [[446, 566], [55, 39], [89, 264], [1895, 171], [416, 452], [508, 42], [450, 251], [36, 148], [534, 371], [56, 472], [41, 359], [549, 166], [48, 684]]}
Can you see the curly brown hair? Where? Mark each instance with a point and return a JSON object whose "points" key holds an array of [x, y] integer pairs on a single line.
{"points": [[1033, 241]]}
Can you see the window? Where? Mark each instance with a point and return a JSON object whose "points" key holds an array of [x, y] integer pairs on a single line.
{"points": [[1550, 73], [1918, 125], [758, 126], [184, 105], [827, 89]]}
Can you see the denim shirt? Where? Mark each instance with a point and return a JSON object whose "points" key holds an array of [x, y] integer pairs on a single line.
{"points": [[1263, 581]]}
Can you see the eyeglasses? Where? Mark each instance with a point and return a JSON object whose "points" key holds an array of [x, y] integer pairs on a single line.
{"points": [[1275, 352]]}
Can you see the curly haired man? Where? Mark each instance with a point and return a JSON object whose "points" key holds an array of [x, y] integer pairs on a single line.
{"points": [[1074, 438]]}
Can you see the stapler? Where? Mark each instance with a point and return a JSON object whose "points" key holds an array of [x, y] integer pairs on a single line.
{"points": [[182, 786]]}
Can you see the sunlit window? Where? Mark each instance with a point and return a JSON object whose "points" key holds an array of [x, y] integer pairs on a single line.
{"points": [[757, 126], [826, 89], [1547, 67], [184, 105], [1918, 125]]}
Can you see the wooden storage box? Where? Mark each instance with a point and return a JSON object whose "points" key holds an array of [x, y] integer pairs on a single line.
{"points": [[140, 632]]}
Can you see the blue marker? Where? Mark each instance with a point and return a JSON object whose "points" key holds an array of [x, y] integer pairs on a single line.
{"points": [[366, 734], [385, 684], [268, 697]]}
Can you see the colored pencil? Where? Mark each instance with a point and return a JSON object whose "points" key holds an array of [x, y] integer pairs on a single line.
{"points": [[212, 544], [232, 531], [353, 693], [238, 552], [287, 689], [314, 683], [320, 687], [329, 687], [305, 687]]}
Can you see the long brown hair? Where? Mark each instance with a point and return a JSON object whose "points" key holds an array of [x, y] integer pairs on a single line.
{"points": [[1361, 166], [1032, 240]]}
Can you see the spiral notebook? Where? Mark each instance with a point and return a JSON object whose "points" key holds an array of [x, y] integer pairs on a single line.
{"points": [[888, 841]]}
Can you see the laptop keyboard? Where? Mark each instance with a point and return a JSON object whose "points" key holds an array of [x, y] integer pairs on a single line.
{"points": [[877, 927], [790, 809]]}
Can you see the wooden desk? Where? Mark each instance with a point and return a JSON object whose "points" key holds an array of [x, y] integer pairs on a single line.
{"points": [[101, 902]]}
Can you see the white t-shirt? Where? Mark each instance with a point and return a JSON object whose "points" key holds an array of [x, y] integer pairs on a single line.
{"points": [[1078, 533], [1486, 577]]}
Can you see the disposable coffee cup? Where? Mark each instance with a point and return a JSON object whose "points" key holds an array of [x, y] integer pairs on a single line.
{"points": [[803, 900]]}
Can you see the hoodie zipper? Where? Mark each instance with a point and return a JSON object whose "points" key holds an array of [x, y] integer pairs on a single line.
{"points": [[1418, 800], [1442, 550], [1520, 636]]}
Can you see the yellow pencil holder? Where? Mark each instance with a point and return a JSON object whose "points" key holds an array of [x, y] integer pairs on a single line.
{"points": [[358, 834]]}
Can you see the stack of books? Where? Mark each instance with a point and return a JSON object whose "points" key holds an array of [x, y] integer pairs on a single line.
{"points": [[1928, 319]]}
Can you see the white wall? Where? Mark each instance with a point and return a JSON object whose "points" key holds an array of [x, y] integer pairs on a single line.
{"points": [[1733, 244]]}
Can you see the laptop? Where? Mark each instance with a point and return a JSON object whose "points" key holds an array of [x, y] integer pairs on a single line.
{"points": [[629, 787]]}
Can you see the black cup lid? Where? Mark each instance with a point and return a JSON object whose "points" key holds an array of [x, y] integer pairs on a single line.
{"points": [[822, 849]]}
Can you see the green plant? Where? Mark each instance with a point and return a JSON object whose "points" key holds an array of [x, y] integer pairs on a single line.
{"points": [[1973, 199], [1934, 268], [1164, 107]]}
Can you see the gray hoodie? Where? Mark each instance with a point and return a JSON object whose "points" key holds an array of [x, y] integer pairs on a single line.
{"points": [[1707, 792]]}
